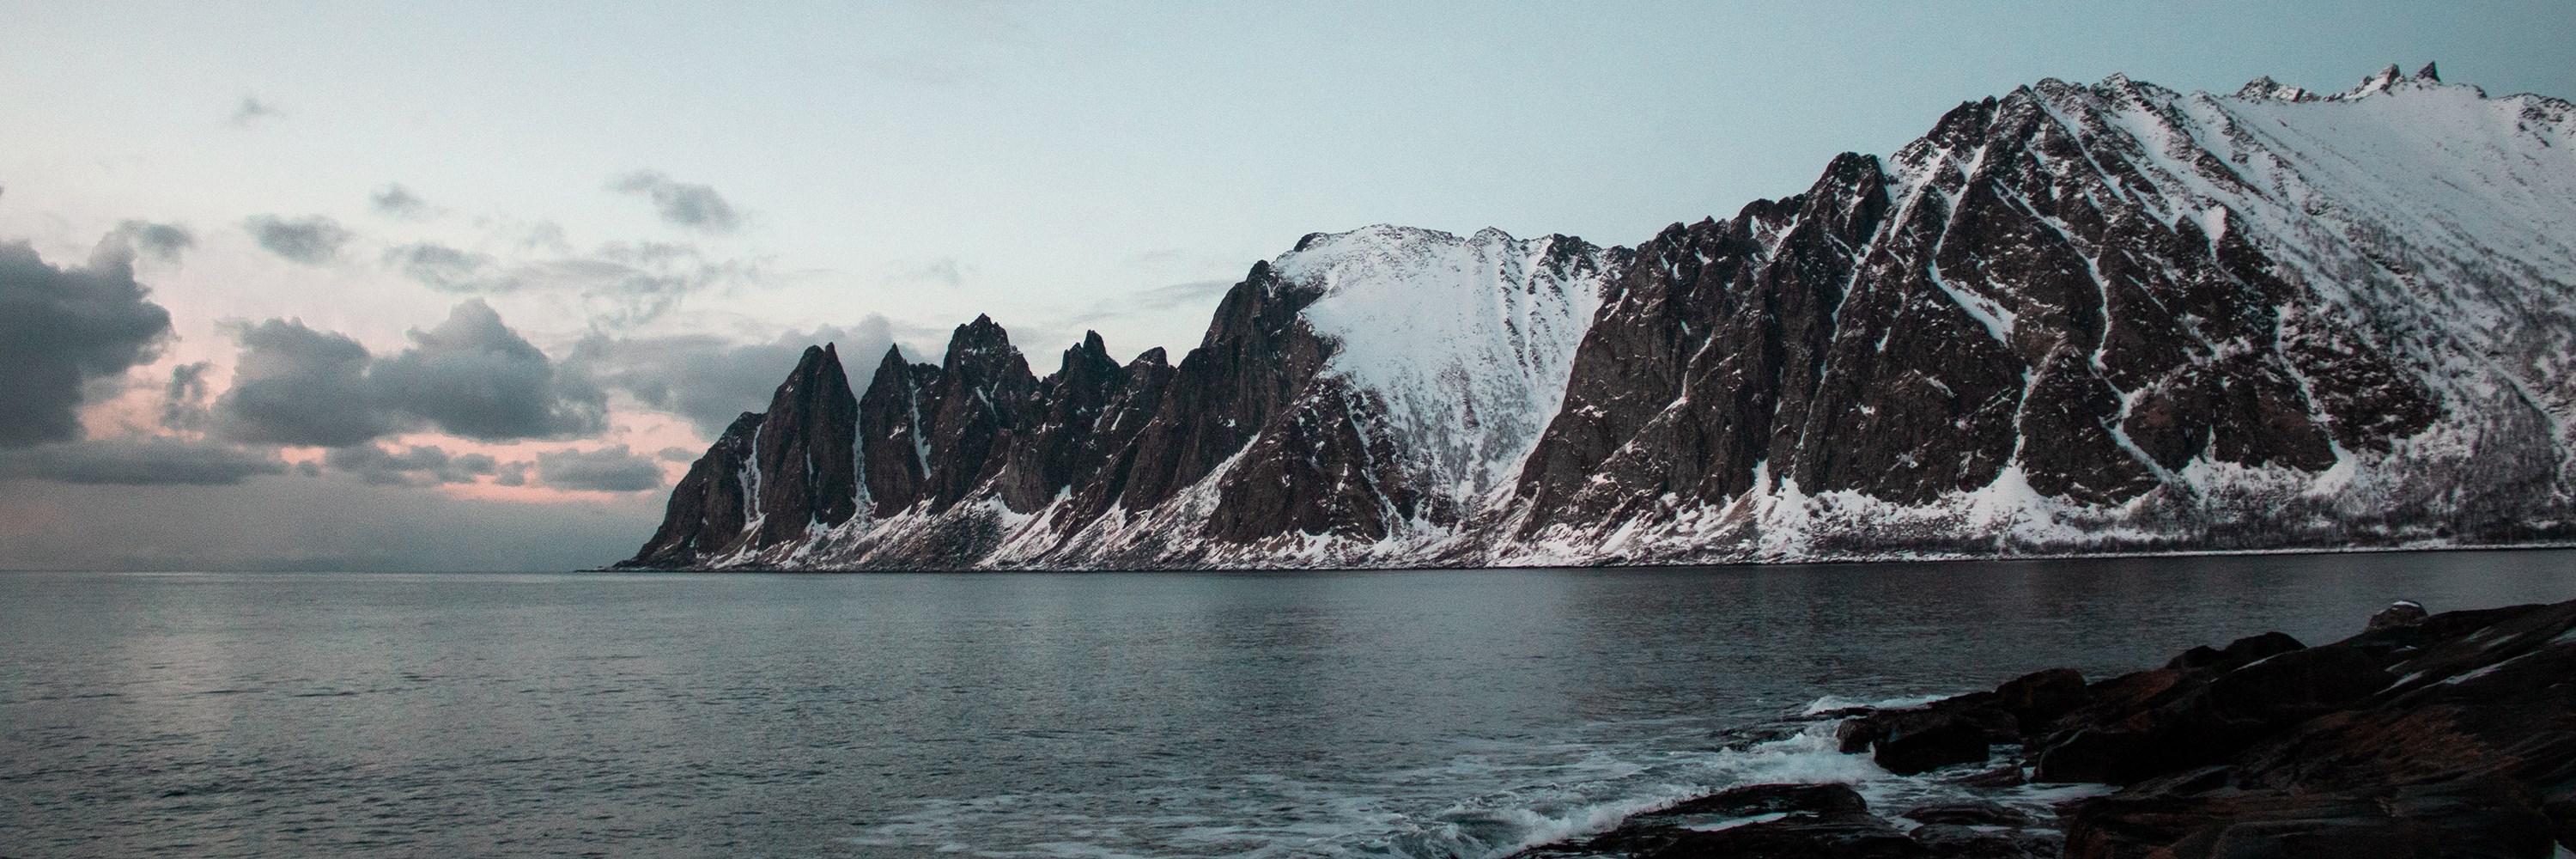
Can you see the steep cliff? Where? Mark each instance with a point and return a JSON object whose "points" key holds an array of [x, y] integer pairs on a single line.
{"points": [[2069, 319]]}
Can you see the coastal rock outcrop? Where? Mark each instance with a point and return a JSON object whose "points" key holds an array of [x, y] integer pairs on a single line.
{"points": [[2453, 735]]}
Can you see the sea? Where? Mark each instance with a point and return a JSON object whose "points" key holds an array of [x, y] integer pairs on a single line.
{"points": [[1461, 713]]}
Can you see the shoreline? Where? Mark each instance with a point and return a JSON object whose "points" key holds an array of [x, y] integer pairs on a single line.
{"points": [[1889, 558]]}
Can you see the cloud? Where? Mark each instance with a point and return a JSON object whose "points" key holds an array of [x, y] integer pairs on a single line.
{"points": [[710, 380], [311, 240], [474, 377], [251, 110], [294, 385], [945, 271], [681, 204], [1199, 293], [61, 328], [608, 469], [470, 376], [140, 461], [419, 465], [447, 269], [183, 401], [397, 202], [157, 242], [619, 284]]}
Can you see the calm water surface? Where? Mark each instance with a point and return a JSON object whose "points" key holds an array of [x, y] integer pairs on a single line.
{"points": [[1343, 714]]}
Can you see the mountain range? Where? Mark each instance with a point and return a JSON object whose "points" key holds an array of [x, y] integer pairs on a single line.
{"points": [[2072, 319]]}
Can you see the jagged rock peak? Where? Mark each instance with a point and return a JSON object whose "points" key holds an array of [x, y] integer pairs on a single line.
{"points": [[2267, 88], [2428, 73], [980, 339]]}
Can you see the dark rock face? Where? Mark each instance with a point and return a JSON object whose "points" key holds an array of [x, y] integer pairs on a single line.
{"points": [[772, 478], [804, 472], [1739, 316], [2025, 289], [705, 515]]}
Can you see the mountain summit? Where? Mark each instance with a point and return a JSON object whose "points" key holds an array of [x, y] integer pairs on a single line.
{"points": [[2070, 319]]}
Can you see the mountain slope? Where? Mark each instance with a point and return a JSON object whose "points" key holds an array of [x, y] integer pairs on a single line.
{"points": [[2069, 319]]}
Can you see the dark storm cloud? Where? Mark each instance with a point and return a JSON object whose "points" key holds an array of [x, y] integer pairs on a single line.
{"points": [[252, 110], [157, 242], [608, 469], [145, 461], [311, 240], [470, 376], [619, 283], [396, 201], [63, 327], [294, 385], [710, 380], [183, 400], [418, 465], [682, 204], [474, 377]]}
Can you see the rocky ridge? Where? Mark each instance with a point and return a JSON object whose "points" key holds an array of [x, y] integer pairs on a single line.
{"points": [[2069, 319]]}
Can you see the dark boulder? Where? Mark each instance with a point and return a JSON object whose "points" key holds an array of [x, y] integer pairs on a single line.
{"points": [[1939, 745], [2039, 698], [2399, 613], [1754, 821], [1958, 730]]}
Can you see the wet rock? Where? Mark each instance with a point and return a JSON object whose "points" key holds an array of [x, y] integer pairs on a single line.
{"points": [[1972, 813], [1756, 820], [2399, 613], [1958, 730], [2039, 698], [2236, 653], [1949, 840], [2483, 818], [2004, 776], [1759, 799], [2207, 705], [1933, 747]]}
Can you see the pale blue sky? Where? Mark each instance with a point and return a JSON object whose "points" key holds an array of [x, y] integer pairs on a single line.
{"points": [[1056, 165]]}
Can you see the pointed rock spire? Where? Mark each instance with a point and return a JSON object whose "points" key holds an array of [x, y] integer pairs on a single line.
{"points": [[2428, 73]]}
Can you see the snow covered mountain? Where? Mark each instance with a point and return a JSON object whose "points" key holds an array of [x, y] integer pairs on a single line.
{"points": [[2071, 319]]}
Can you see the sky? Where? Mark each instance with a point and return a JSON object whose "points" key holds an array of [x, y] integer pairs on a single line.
{"points": [[465, 286]]}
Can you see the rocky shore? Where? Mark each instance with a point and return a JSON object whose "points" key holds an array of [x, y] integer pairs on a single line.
{"points": [[2449, 735]]}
